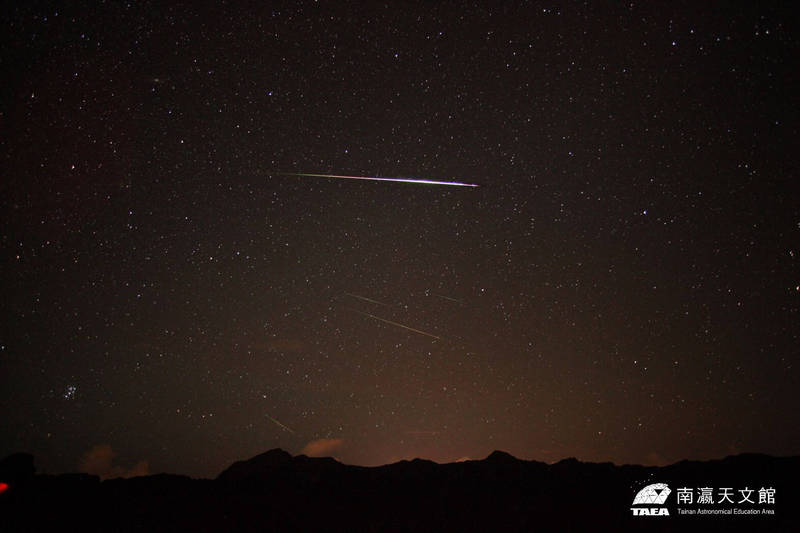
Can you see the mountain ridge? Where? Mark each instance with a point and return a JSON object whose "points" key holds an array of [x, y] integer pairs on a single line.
{"points": [[276, 490]]}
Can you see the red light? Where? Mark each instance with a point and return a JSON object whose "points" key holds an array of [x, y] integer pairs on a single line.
{"points": [[3, 487]]}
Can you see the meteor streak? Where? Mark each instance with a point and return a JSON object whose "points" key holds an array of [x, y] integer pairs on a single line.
{"points": [[398, 324], [373, 178], [370, 300], [448, 298], [281, 425]]}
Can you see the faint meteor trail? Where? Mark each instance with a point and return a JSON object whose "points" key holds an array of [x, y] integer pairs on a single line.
{"points": [[281, 425], [374, 178], [448, 298], [364, 298], [397, 324]]}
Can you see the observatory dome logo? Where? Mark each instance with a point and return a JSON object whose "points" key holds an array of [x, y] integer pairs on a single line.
{"points": [[650, 497]]}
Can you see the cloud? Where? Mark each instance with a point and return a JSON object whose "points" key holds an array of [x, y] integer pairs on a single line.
{"points": [[654, 459], [322, 447], [99, 462]]}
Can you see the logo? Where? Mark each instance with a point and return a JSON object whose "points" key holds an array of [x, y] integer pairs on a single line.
{"points": [[651, 496]]}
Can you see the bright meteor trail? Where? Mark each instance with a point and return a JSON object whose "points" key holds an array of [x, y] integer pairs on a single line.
{"points": [[371, 178]]}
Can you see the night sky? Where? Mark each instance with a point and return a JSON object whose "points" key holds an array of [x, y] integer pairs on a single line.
{"points": [[623, 285]]}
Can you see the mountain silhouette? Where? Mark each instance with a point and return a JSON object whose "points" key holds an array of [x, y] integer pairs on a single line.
{"points": [[276, 491], [258, 466]]}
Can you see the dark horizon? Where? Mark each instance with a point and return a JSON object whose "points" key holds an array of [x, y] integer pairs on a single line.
{"points": [[189, 278], [494, 455], [115, 469], [278, 491]]}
